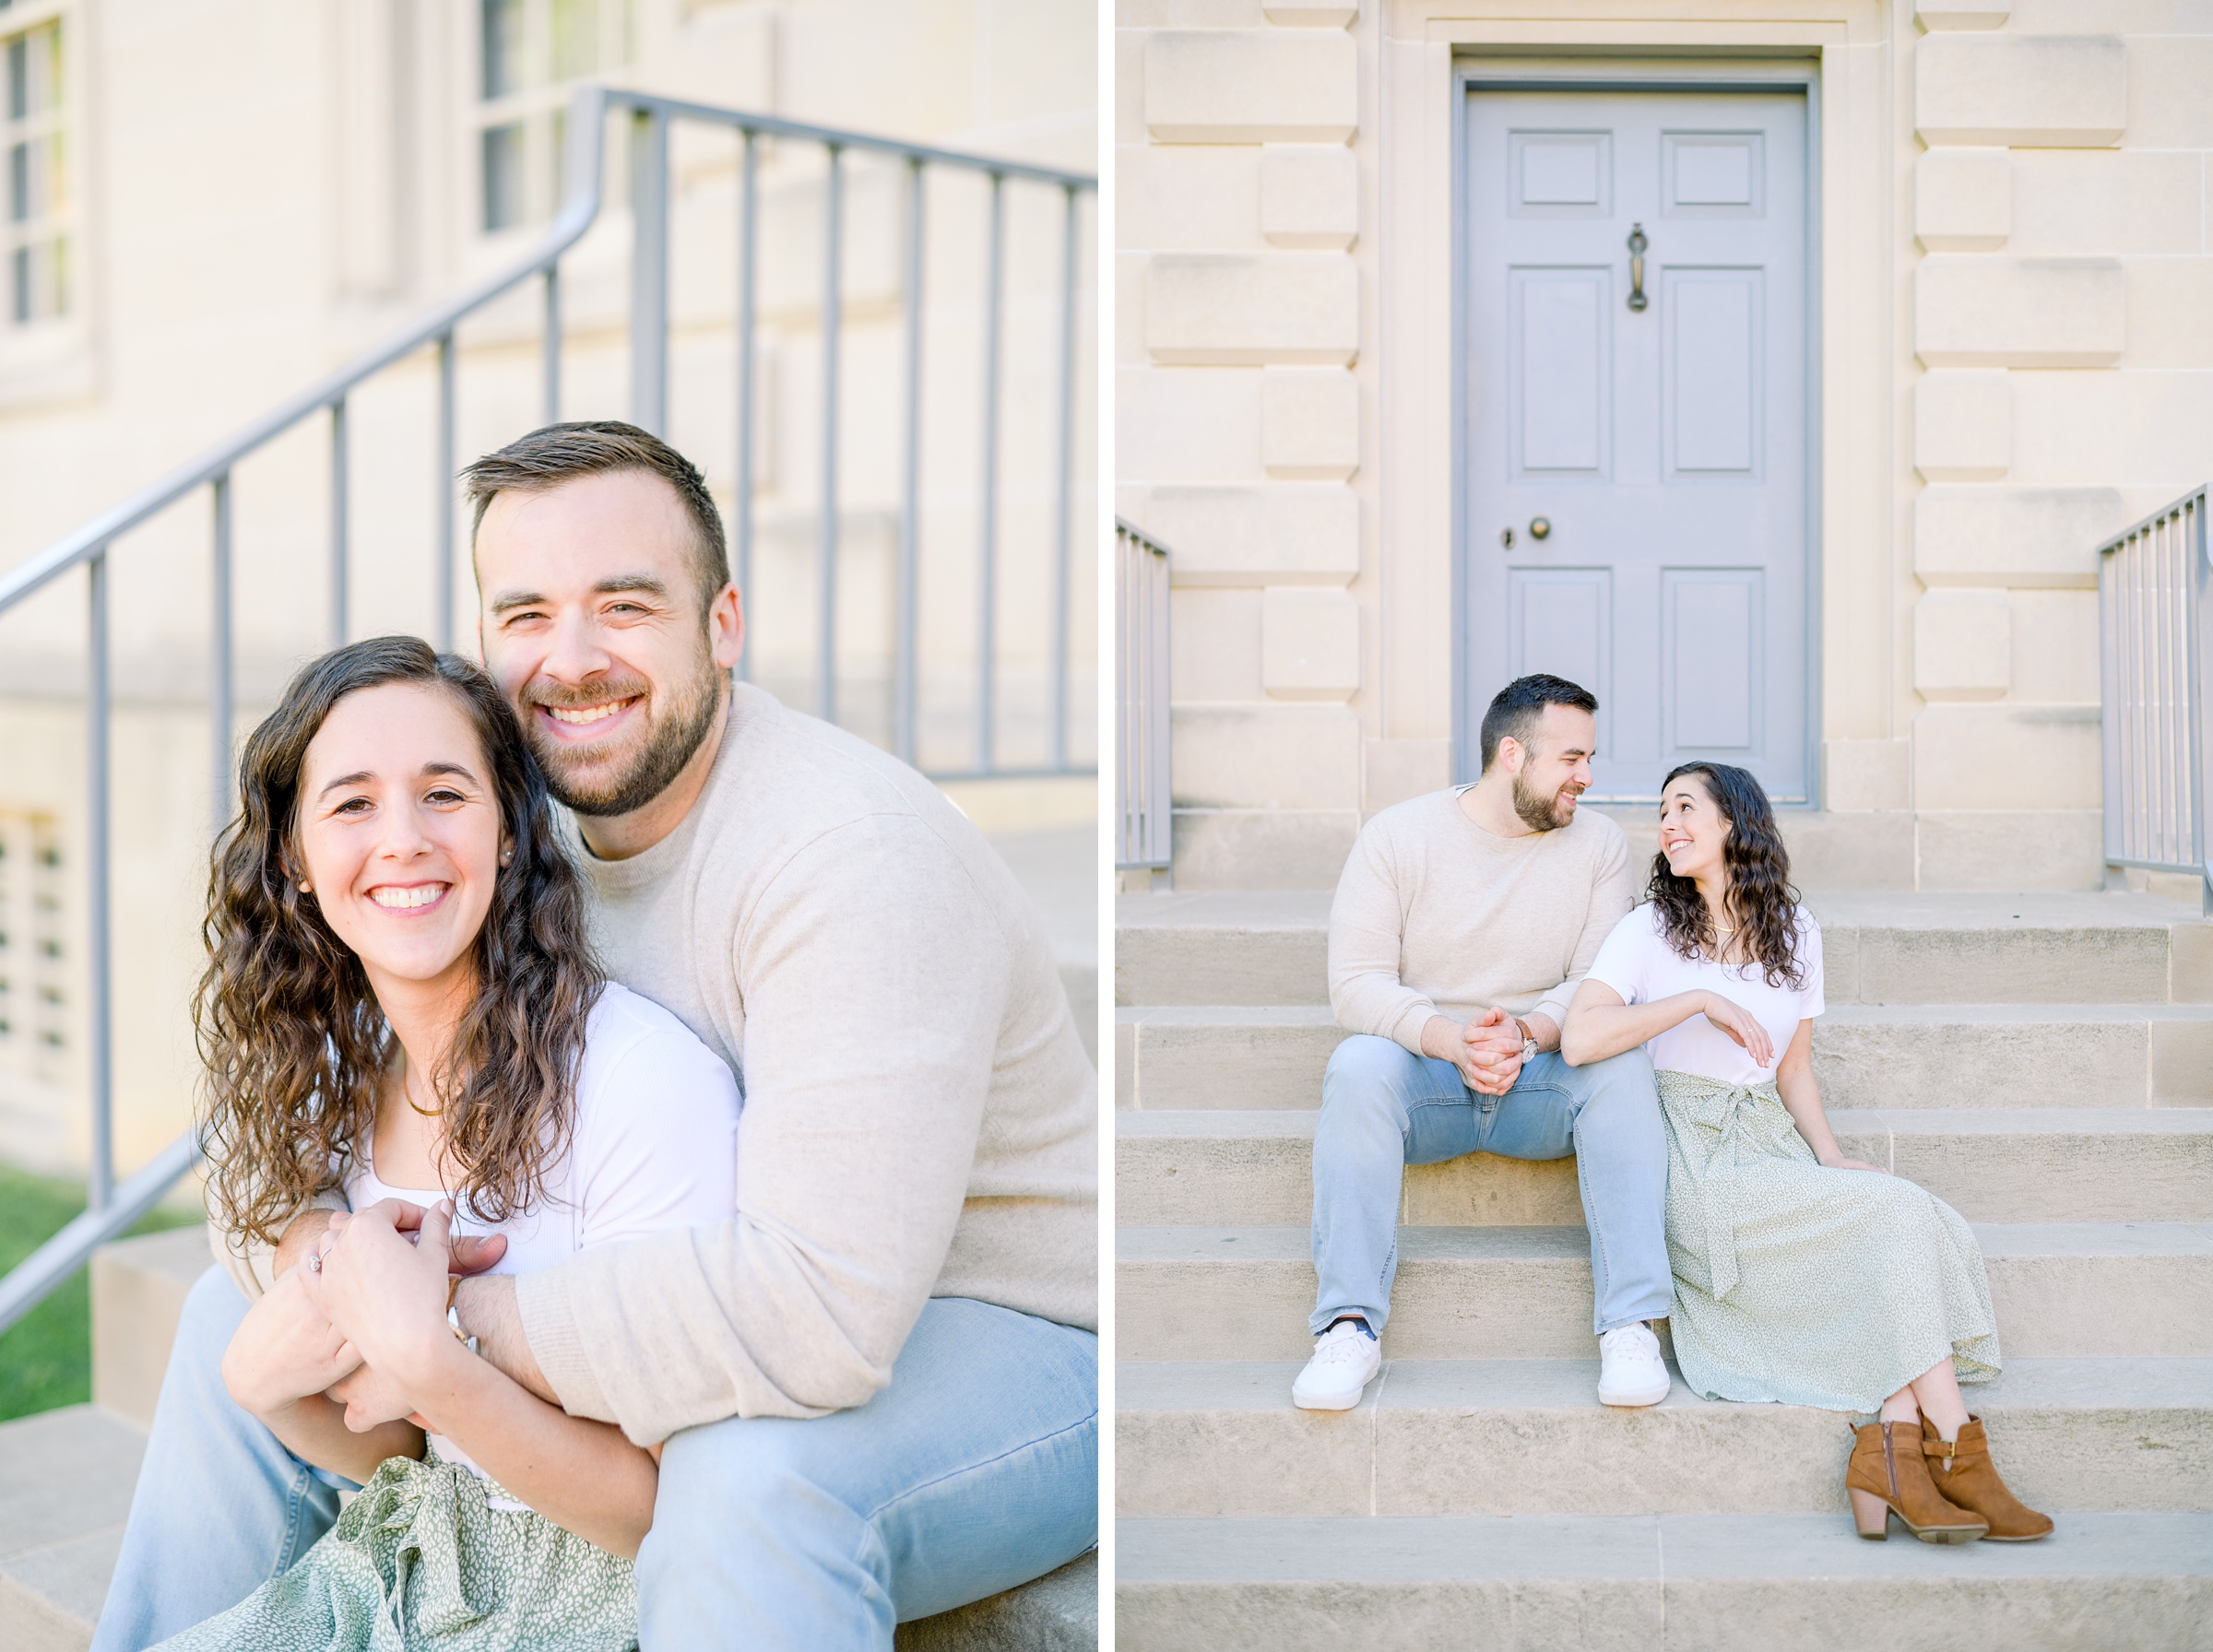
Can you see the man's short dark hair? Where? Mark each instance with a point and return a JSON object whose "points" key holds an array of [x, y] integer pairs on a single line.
{"points": [[1518, 706], [560, 453]]}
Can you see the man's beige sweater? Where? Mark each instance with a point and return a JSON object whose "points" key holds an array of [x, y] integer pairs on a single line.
{"points": [[1435, 915], [919, 1117]]}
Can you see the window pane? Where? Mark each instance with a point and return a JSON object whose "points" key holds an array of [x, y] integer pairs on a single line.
{"points": [[18, 78], [19, 285], [503, 47], [575, 37], [19, 181], [503, 175]]}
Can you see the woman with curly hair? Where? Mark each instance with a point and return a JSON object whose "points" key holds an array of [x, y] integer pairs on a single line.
{"points": [[401, 1014], [1800, 1276]]}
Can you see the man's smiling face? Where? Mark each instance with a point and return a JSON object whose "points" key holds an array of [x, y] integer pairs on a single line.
{"points": [[595, 626]]}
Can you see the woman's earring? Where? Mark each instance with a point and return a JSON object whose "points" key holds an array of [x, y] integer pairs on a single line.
{"points": [[304, 889], [508, 856]]}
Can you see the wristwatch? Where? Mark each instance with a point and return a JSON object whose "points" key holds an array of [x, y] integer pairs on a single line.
{"points": [[452, 1314], [1529, 1041]]}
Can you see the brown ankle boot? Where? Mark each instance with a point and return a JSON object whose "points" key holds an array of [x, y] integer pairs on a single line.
{"points": [[1888, 1475], [1964, 1474]]}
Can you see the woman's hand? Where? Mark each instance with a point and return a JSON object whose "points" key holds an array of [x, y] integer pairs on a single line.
{"points": [[386, 1295], [1741, 1026], [1837, 1161], [285, 1349]]}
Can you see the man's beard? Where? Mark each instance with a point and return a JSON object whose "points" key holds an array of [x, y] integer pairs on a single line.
{"points": [[1539, 811], [670, 742]]}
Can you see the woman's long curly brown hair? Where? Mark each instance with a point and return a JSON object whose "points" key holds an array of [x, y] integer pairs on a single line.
{"points": [[1758, 868], [293, 1038]]}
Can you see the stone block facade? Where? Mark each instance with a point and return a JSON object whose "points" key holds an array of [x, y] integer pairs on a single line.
{"points": [[2015, 291]]}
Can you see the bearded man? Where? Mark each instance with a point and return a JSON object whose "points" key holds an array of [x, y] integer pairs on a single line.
{"points": [[1462, 922], [876, 1382]]}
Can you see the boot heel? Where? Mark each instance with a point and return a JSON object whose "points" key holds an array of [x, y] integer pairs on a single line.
{"points": [[1872, 1514]]}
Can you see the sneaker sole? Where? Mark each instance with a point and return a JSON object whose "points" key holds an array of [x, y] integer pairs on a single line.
{"points": [[1329, 1405], [1634, 1402]]}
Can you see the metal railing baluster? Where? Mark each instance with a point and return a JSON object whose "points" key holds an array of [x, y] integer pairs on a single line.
{"points": [[100, 1056], [906, 640], [649, 271], [551, 345], [986, 615], [1063, 489], [340, 576], [221, 713], [443, 496], [741, 501], [2155, 598], [825, 682]]}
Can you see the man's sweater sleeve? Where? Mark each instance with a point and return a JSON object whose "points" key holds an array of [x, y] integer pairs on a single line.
{"points": [[1613, 896], [873, 978], [1367, 942]]}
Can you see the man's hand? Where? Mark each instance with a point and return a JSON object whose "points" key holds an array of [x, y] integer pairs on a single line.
{"points": [[1487, 1050], [299, 1239]]}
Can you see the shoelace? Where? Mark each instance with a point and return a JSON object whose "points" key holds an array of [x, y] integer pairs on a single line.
{"points": [[1336, 1349]]}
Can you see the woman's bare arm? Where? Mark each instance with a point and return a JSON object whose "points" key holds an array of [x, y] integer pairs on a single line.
{"points": [[388, 1296], [1600, 1025], [1801, 1096], [581, 1475]]}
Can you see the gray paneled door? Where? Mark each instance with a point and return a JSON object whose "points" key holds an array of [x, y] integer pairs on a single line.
{"points": [[1649, 408]]}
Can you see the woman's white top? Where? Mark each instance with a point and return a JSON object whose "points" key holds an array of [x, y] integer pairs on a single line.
{"points": [[654, 1146], [1638, 963]]}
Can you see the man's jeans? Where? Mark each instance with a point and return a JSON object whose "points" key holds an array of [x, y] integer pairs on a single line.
{"points": [[1383, 1108], [975, 1470]]}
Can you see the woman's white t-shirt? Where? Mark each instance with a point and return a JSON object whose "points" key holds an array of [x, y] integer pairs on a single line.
{"points": [[1638, 963], [654, 1146]]}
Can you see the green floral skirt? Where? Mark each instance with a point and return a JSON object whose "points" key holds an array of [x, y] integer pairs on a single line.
{"points": [[1797, 1283], [419, 1559]]}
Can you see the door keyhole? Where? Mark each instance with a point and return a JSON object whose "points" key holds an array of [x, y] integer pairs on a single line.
{"points": [[1506, 538], [1637, 245]]}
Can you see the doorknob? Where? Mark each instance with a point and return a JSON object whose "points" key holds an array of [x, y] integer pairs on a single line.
{"points": [[1540, 527], [1637, 245]]}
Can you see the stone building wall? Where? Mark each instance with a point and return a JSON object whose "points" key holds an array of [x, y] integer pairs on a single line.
{"points": [[2017, 360]]}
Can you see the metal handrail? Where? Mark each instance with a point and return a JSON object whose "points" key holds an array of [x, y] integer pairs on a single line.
{"points": [[113, 1209], [1143, 820], [2155, 613]]}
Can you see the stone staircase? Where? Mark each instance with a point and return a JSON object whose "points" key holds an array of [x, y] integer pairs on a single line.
{"points": [[67, 1476], [2044, 1062]]}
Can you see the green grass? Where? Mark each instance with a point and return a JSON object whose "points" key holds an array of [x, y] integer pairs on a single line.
{"points": [[46, 1356]]}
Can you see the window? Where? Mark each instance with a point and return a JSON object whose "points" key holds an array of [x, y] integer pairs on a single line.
{"points": [[34, 1002], [531, 53], [34, 232]]}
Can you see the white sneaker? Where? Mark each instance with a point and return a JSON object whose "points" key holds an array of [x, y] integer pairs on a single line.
{"points": [[1345, 1357], [1631, 1371]]}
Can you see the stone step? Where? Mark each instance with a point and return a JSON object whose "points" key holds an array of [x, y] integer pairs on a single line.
{"points": [[66, 1478], [1253, 1169], [2061, 1290], [1718, 1583], [65, 1481], [1272, 947], [1529, 1437], [1865, 1055]]}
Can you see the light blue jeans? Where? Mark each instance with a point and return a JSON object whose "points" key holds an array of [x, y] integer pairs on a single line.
{"points": [[974, 1471], [1384, 1108]]}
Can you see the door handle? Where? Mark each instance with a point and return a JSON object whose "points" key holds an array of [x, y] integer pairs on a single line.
{"points": [[1637, 245]]}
